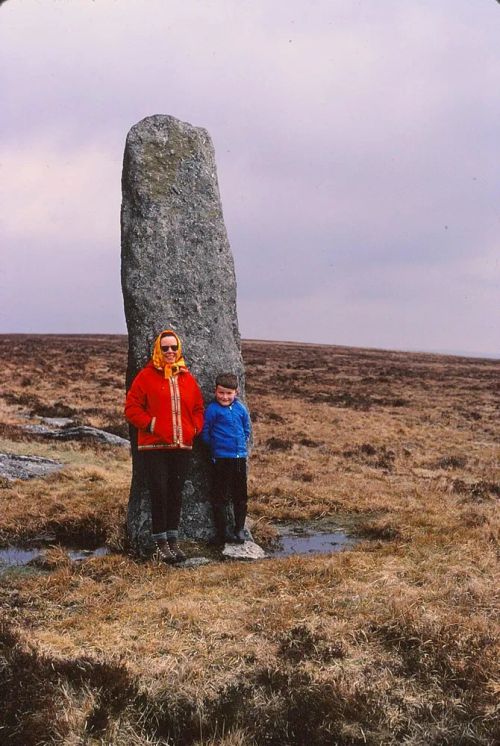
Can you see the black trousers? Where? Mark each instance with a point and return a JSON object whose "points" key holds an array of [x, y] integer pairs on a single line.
{"points": [[229, 484], [165, 475]]}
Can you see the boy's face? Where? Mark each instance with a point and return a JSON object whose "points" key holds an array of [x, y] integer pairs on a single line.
{"points": [[225, 396]]}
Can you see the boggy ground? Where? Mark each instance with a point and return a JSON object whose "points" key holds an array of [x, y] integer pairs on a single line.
{"points": [[392, 642]]}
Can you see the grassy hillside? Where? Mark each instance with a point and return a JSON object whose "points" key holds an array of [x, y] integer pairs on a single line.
{"points": [[394, 641]]}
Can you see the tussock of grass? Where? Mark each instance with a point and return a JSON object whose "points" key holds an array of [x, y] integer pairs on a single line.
{"points": [[32, 686], [83, 506]]}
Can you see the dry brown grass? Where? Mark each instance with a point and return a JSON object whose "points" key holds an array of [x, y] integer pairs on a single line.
{"points": [[392, 642], [81, 505]]}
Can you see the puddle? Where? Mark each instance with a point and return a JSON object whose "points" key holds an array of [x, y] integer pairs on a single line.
{"points": [[313, 543], [15, 557], [77, 555], [18, 557]]}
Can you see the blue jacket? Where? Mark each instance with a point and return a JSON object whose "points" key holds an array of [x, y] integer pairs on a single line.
{"points": [[227, 430]]}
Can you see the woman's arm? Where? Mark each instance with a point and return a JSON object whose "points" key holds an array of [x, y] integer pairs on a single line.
{"points": [[198, 408], [136, 405]]}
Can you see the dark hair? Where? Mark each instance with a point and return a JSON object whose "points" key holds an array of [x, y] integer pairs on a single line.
{"points": [[227, 380]]}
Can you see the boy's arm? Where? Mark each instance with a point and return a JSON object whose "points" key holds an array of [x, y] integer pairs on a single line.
{"points": [[207, 425], [247, 423]]}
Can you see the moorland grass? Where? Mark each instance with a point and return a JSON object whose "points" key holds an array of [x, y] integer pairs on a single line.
{"points": [[393, 641]]}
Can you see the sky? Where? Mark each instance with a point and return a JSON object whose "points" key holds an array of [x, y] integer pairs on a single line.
{"points": [[357, 153]]}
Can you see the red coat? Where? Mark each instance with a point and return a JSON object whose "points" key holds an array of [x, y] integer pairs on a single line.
{"points": [[167, 412]]}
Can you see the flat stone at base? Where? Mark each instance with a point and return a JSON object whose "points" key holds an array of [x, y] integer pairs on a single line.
{"points": [[193, 562], [247, 551]]}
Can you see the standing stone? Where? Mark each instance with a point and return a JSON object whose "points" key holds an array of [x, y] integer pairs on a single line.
{"points": [[177, 272]]}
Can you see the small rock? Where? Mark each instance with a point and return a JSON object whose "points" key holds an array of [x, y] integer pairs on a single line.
{"points": [[58, 421], [79, 432], [247, 551], [26, 467], [37, 429], [83, 432], [194, 562]]}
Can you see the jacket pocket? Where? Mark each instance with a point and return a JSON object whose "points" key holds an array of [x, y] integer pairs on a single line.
{"points": [[163, 428]]}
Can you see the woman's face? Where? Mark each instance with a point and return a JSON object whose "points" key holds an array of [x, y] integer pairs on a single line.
{"points": [[168, 348]]}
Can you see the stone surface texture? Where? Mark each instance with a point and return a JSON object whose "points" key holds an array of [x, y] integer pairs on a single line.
{"points": [[58, 421], [247, 551], [193, 562], [79, 432], [26, 467], [177, 272]]}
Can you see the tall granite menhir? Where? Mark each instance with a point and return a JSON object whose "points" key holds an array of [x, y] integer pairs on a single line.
{"points": [[178, 272]]}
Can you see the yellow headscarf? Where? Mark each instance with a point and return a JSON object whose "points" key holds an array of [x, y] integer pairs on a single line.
{"points": [[169, 369]]}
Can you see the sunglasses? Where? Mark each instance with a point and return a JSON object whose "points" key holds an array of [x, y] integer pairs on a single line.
{"points": [[166, 348]]}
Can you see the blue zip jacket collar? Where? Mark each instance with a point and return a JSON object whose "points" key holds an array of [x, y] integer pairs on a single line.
{"points": [[227, 430]]}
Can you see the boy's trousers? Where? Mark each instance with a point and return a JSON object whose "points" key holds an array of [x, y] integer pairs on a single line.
{"points": [[230, 485]]}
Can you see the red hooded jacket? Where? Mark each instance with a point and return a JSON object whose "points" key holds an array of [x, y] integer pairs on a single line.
{"points": [[167, 412]]}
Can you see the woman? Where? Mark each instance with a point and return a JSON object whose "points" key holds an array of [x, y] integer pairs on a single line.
{"points": [[165, 404]]}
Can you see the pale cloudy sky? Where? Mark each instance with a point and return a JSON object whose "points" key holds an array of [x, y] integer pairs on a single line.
{"points": [[357, 148]]}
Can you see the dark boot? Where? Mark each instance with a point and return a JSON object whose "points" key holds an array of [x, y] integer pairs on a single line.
{"points": [[163, 553], [240, 536], [240, 514], [223, 535], [176, 550]]}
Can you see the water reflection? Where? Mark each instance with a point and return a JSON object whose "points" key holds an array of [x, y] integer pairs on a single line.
{"points": [[14, 556], [313, 543], [19, 556]]}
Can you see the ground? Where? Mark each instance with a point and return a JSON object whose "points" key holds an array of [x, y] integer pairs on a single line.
{"points": [[394, 641]]}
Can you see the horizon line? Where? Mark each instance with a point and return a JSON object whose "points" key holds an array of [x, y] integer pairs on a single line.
{"points": [[441, 352]]}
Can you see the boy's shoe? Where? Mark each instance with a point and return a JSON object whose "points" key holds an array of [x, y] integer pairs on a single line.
{"points": [[176, 551], [163, 552], [230, 537], [223, 534], [219, 540], [240, 514], [239, 536]]}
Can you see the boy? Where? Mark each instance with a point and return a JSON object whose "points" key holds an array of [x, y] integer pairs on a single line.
{"points": [[227, 431]]}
